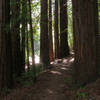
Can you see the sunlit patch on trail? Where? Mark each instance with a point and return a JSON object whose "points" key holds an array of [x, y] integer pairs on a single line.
{"points": [[64, 68], [57, 61], [56, 72], [50, 91], [51, 62], [65, 61], [71, 60]]}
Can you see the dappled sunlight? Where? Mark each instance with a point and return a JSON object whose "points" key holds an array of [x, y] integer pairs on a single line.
{"points": [[37, 60], [30, 60], [71, 60], [51, 62], [65, 61], [50, 91], [57, 61], [56, 72], [64, 68], [26, 67]]}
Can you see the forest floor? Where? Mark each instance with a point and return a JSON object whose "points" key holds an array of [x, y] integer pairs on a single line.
{"points": [[56, 84]]}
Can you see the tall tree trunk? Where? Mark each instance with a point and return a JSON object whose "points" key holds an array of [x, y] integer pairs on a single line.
{"points": [[50, 32], [64, 48], [27, 37], [15, 32], [32, 40], [6, 79], [27, 41], [31, 31], [85, 43], [56, 30], [24, 13], [73, 23], [44, 39], [97, 37]]}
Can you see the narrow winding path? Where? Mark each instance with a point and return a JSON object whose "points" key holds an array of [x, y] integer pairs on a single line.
{"points": [[51, 84]]}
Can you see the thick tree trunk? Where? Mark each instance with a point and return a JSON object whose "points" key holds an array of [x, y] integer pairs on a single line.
{"points": [[44, 39], [97, 38], [15, 32], [56, 30], [85, 43], [6, 79], [50, 32], [64, 48]]}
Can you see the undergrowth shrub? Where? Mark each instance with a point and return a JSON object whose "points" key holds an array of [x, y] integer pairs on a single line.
{"points": [[27, 78]]}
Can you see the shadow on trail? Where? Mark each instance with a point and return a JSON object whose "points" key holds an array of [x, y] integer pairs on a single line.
{"points": [[50, 85]]}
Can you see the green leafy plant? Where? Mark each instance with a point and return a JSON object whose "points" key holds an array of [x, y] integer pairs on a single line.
{"points": [[81, 95]]}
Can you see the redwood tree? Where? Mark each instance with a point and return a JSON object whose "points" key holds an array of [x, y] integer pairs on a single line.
{"points": [[6, 79], [23, 20], [97, 37], [32, 39], [44, 39], [31, 32], [50, 32], [64, 48], [56, 30], [85, 27], [15, 33]]}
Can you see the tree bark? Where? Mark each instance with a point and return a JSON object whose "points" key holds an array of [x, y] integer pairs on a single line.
{"points": [[31, 31], [32, 40], [97, 38], [50, 32], [64, 48], [44, 39], [15, 32], [27, 42], [85, 40], [56, 30], [6, 78], [24, 13]]}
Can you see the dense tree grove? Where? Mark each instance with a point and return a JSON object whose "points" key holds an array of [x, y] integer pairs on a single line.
{"points": [[31, 30]]}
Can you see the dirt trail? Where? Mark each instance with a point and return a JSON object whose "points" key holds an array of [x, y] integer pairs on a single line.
{"points": [[56, 84], [51, 85]]}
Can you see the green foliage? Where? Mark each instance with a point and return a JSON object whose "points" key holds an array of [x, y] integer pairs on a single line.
{"points": [[27, 77], [36, 27], [81, 95]]}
